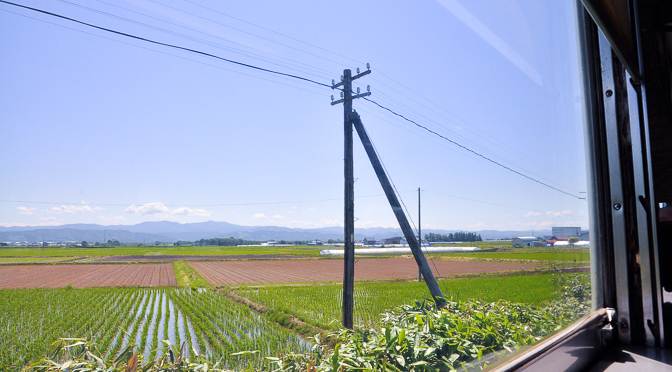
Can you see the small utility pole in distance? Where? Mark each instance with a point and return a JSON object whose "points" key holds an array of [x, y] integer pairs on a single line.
{"points": [[349, 223], [420, 259], [419, 235]]}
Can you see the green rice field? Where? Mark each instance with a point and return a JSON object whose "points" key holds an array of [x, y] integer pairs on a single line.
{"points": [[321, 305], [203, 321], [547, 255]]}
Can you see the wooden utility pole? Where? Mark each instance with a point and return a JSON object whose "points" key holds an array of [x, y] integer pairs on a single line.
{"points": [[349, 223], [420, 259]]}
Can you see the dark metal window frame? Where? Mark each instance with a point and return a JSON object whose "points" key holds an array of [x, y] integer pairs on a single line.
{"points": [[624, 261], [627, 307]]}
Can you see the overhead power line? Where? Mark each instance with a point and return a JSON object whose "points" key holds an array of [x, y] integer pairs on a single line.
{"points": [[472, 151], [165, 44], [185, 205], [272, 31], [117, 40], [293, 77]]}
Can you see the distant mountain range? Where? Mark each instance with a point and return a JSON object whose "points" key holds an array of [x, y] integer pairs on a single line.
{"points": [[165, 231]]}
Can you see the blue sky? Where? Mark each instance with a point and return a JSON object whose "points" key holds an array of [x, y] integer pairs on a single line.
{"points": [[98, 128]]}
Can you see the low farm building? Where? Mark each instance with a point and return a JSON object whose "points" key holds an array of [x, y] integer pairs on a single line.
{"points": [[369, 241], [523, 241], [395, 240]]}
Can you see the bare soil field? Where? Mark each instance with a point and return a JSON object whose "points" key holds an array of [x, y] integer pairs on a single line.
{"points": [[295, 271], [83, 276], [170, 258]]}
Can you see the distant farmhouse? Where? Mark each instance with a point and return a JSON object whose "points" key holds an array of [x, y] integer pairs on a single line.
{"points": [[560, 237], [526, 241], [397, 240], [566, 231], [369, 241]]}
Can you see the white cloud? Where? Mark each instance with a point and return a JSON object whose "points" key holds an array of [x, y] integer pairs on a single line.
{"points": [[278, 217], [325, 222], [158, 208], [558, 214], [52, 218], [26, 211], [531, 214], [14, 224], [112, 218], [191, 212], [148, 208], [72, 209], [259, 216], [533, 224]]}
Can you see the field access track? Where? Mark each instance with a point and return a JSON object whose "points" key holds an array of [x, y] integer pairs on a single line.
{"points": [[84, 276], [295, 271]]}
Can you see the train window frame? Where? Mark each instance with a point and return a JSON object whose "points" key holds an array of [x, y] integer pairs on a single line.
{"points": [[625, 263]]}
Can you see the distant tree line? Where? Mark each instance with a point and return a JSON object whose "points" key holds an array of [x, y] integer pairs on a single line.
{"points": [[110, 243], [231, 241], [454, 237], [226, 242]]}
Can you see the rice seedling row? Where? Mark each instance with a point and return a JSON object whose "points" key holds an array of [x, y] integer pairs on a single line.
{"points": [[205, 322]]}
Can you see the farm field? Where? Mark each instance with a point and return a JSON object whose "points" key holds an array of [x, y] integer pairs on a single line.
{"points": [[169, 251], [206, 322], [173, 258], [82, 276], [35, 260], [582, 255], [295, 271], [321, 305]]}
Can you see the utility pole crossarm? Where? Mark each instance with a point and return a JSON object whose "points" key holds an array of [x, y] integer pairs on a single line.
{"points": [[346, 83], [360, 75], [353, 97]]}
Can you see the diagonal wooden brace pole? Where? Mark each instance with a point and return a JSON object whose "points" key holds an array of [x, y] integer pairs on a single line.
{"points": [[398, 212]]}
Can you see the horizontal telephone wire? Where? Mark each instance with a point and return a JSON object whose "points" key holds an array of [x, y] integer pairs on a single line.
{"points": [[166, 44]]}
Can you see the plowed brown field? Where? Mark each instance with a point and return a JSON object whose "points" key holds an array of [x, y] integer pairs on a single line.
{"points": [[294, 271], [82, 276]]}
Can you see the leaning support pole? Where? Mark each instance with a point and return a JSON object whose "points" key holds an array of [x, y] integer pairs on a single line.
{"points": [[398, 212]]}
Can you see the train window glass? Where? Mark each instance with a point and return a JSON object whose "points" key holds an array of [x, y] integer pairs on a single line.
{"points": [[177, 113]]}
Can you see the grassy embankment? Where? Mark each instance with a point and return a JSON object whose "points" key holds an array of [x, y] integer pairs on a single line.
{"points": [[188, 277]]}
